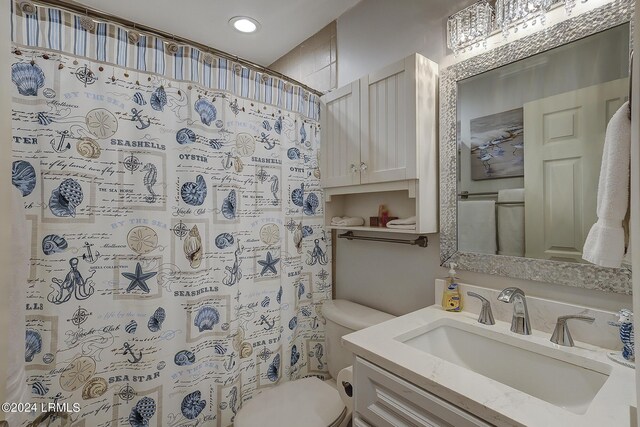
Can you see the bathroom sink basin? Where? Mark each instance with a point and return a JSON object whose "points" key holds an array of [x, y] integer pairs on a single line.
{"points": [[543, 372]]}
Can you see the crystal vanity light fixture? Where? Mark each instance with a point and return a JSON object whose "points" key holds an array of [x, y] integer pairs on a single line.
{"points": [[570, 4], [511, 13], [471, 26]]}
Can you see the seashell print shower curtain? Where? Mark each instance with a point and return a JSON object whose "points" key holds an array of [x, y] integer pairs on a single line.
{"points": [[178, 258]]}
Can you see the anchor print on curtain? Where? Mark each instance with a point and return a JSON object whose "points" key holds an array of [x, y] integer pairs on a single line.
{"points": [[178, 260]]}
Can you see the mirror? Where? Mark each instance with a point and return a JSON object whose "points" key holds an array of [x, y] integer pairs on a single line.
{"points": [[522, 129], [530, 141]]}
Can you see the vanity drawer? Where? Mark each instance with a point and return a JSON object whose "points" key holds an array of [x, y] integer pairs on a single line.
{"points": [[359, 422], [385, 400]]}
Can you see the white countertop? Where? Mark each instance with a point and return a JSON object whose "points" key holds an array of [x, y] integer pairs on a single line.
{"points": [[495, 402]]}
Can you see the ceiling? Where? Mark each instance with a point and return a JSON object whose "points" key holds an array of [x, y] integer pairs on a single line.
{"points": [[283, 23]]}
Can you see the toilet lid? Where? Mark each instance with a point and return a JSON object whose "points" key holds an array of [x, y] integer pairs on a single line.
{"points": [[310, 402]]}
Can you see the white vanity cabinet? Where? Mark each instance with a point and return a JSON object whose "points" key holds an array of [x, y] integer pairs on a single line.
{"points": [[379, 135], [385, 400]]}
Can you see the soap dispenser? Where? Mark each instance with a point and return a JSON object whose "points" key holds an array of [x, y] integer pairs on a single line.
{"points": [[451, 298]]}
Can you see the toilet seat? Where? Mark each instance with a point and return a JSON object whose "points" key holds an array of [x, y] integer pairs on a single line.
{"points": [[310, 402]]}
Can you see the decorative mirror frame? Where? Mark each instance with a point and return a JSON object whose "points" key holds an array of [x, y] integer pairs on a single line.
{"points": [[587, 276]]}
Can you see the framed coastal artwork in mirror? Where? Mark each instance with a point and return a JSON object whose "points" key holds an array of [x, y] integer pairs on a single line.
{"points": [[521, 143]]}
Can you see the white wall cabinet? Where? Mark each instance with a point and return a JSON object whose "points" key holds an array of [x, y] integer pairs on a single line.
{"points": [[381, 128], [379, 135], [385, 400]]}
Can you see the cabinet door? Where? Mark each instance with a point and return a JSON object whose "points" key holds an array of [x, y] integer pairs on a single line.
{"points": [[388, 123], [384, 400], [340, 147]]}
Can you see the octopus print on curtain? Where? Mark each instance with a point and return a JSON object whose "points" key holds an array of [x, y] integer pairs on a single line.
{"points": [[178, 256]]}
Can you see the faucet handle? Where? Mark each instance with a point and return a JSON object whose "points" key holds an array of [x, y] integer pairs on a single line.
{"points": [[486, 315], [561, 334]]}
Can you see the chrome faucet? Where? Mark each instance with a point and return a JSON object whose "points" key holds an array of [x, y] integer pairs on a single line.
{"points": [[486, 316], [561, 334], [520, 320]]}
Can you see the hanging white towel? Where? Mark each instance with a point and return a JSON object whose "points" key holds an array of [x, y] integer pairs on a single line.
{"points": [[477, 226], [347, 221], [604, 245], [406, 221], [511, 222]]}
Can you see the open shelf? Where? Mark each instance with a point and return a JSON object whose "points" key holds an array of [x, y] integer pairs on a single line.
{"points": [[372, 229], [401, 204]]}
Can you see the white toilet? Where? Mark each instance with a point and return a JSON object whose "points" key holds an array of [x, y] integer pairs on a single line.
{"points": [[311, 402]]}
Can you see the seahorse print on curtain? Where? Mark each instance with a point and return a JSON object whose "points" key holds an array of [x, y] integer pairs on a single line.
{"points": [[179, 260]]}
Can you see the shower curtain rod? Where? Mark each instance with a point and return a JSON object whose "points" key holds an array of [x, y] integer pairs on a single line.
{"points": [[75, 7]]}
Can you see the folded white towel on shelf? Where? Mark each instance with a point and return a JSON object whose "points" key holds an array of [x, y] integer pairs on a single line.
{"points": [[604, 245], [406, 221], [511, 222], [477, 226], [401, 226], [347, 221]]}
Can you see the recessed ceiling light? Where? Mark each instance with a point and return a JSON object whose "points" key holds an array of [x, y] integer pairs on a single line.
{"points": [[244, 24]]}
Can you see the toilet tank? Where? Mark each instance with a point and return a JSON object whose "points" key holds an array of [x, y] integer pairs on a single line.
{"points": [[344, 317]]}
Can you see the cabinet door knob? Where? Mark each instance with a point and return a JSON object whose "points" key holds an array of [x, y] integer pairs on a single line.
{"points": [[354, 168], [363, 166]]}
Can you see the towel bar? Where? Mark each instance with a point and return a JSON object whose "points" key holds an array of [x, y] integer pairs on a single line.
{"points": [[464, 195], [421, 241]]}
